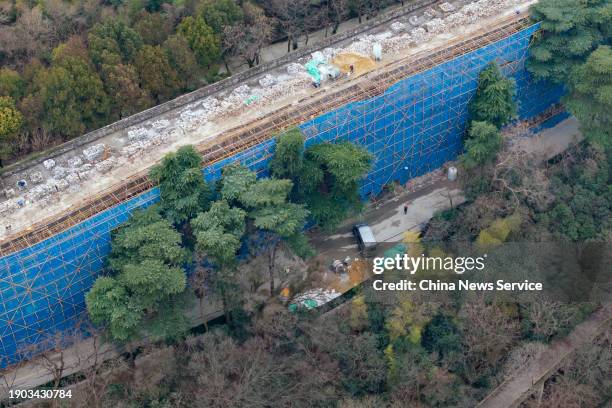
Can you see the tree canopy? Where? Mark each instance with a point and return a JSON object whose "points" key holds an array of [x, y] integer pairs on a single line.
{"points": [[113, 37], [235, 182], [493, 101], [184, 193], [202, 39], [329, 181], [591, 99], [570, 32], [10, 122], [482, 144], [73, 97], [141, 295], [218, 232], [156, 73]]}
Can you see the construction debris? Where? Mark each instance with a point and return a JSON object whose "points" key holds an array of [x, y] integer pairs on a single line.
{"points": [[49, 164], [106, 165], [455, 19], [435, 26], [419, 35], [294, 68], [75, 162], [398, 27], [314, 298], [94, 152], [59, 172], [36, 177], [160, 124], [447, 7], [267, 81]]}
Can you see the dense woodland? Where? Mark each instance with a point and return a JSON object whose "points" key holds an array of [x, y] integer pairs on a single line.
{"points": [[396, 350], [67, 67]]}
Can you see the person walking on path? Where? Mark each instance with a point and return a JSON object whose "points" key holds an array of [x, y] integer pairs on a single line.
{"points": [[405, 209]]}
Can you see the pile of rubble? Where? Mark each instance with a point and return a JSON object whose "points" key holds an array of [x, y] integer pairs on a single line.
{"points": [[60, 176]]}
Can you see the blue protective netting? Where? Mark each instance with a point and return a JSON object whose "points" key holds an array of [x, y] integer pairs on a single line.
{"points": [[413, 128]]}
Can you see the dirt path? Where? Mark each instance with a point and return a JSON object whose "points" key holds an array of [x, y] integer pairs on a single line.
{"points": [[517, 387]]}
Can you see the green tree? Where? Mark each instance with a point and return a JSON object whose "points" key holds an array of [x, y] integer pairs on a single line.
{"points": [[113, 37], [184, 193], [591, 99], [183, 61], [10, 122], [202, 39], [329, 180], [122, 85], [156, 73], [73, 98], [268, 206], [235, 182], [482, 145], [493, 101], [218, 233], [11, 84], [153, 28], [154, 5], [141, 296], [441, 335], [580, 183], [220, 13], [146, 235], [288, 157], [570, 32]]}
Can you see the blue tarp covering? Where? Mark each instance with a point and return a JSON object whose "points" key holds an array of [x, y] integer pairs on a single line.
{"points": [[413, 128]]}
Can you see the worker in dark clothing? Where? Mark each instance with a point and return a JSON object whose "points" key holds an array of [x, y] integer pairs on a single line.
{"points": [[351, 68], [405, 209]]}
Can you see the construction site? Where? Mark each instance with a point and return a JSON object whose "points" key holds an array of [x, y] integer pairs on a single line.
{"points": [[401, 90]]}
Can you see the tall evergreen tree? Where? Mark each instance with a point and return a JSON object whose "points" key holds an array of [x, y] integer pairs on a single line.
{"points": [[482, 144], [591, 99], [218, 233], [571, 30], [329, 181], [493, 101], [184, 193], [141, 296], [10, 122]]}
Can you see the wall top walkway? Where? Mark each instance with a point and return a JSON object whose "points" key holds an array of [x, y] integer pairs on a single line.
{"points": [[224, 84]]}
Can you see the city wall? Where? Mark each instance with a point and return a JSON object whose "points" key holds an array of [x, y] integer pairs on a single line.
{"points": [[414, 127]]}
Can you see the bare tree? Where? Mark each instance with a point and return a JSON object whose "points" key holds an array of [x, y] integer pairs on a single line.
{"points": [[29, 36], [488, 332], [247, 38], [54, 359], [517, 173], [336, 11], [97, 370], [291, 16], [66, 19], [8, 376]]}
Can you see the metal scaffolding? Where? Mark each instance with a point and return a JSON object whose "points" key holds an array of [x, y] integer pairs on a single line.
{"points": [[410, 114]]}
